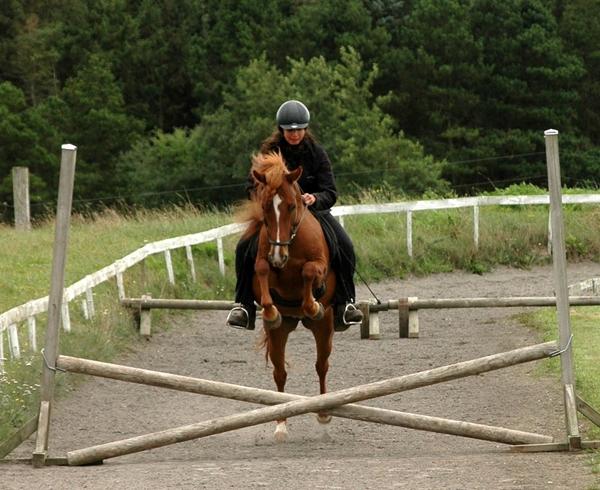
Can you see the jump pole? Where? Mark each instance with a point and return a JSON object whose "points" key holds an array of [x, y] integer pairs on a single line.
{"points": [[57, 282], [318, 403], [269, 397], [561, 288]]}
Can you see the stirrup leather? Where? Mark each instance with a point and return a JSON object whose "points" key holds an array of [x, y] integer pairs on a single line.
{"points": [[235, 309]]}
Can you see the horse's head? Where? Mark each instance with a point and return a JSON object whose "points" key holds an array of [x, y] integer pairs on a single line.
{"points": [[281, 202]]}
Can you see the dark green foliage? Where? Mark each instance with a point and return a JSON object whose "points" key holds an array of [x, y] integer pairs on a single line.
{"points": [[166, 100], [358, 136]]}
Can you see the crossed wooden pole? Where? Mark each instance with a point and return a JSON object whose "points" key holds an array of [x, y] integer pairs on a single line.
{"points": [[289, 405]]}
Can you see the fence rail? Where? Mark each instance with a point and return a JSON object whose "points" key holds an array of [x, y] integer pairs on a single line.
{"points": [[10, 319]]}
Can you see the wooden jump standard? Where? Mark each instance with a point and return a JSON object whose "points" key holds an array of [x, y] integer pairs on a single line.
{"points": [[408, 320], [299, 405], [408, 308]]}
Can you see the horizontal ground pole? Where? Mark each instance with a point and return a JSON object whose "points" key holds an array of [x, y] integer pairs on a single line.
{"points": [[319, 403], [177, 304], [441, 303], [268, 397]]}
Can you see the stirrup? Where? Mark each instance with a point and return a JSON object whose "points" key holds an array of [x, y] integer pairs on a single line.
{"points": [[351, 307], [241, 327]]}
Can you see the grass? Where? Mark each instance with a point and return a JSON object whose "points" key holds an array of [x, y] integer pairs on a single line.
{"points": [[586, 346], [94, 243], [442, 241]]}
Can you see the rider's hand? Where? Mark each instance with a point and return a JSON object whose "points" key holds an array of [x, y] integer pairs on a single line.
{"points": [[309, 199]]}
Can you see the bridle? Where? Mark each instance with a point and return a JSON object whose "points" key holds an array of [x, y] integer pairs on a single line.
{"points": [[294, 230]]}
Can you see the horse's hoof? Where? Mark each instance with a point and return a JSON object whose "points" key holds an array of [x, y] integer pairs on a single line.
{"points": [[281, 433], [272, 324], [320, 312], [324, 418]]}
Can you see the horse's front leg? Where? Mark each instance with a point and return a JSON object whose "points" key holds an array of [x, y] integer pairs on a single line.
{"points": [[323, 333], [270, 314], [276, 341], [312, 274]]}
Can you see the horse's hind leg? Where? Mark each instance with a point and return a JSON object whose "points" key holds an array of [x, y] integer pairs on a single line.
{"points": [[276, 342]]}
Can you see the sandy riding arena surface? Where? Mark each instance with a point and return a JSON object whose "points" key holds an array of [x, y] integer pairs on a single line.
{"points": [[346, 454]]}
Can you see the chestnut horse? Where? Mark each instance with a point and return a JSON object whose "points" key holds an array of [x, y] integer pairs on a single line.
{"points": [[292, 267]]}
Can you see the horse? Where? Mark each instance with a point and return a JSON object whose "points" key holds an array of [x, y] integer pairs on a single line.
{"points": [[292, 280]]}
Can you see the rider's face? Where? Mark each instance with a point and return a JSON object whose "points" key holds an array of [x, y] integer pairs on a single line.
{"points": [[294, 136]]}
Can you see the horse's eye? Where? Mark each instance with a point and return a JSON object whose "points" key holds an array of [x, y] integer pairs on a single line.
{"points": [[292, 207]]}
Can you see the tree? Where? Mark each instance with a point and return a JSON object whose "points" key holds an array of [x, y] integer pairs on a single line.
{"points": [[35, 59], [359, 138], [478, 79], [310, 29], [434, 75], [226, 35], [22, 144], [580, 28], [95, 120]]}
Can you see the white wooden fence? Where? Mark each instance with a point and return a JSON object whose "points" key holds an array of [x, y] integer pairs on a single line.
{"points": [[26, 313]]}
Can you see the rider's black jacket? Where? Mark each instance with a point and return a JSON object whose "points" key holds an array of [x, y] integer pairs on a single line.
{"points": [[317, 176]]}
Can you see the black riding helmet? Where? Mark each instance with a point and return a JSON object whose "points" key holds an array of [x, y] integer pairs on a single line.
{"points": [[292, 114]]}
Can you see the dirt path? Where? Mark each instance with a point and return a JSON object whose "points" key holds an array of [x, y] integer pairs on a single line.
{"points": [[348, 454]]}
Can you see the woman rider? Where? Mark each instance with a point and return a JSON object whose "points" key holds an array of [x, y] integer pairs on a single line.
{"points": [[299, 149]]}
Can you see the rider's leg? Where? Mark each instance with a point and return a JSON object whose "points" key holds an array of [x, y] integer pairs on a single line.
{"points": [[244, 316], [344, 265]]}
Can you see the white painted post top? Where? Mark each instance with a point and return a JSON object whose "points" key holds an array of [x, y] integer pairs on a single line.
{"points": [[68, 146], [550, 132]]}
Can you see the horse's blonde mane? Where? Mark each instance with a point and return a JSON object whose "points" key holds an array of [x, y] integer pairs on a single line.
{"points": [[272, 166]]}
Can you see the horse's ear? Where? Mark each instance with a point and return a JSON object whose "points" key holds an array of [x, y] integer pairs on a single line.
{"points": [[294, 175], [258, 177]]}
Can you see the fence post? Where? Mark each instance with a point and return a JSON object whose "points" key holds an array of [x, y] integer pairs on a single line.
{"points": [[190, 259], [413, 319], [476, 226], [32, 333], [63, 214], [221, 255], [20, 177], [409, 245], [559, 261], [364, 327], [145, 317], [13, 341], [120, 285], [1, 350], [89, 300], [169, 264]]}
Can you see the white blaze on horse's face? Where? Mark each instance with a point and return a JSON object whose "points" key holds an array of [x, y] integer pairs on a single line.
{"points": [[278, 257]]}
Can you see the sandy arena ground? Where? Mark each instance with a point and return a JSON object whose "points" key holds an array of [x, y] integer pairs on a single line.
{"points": [[345, 454]]}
